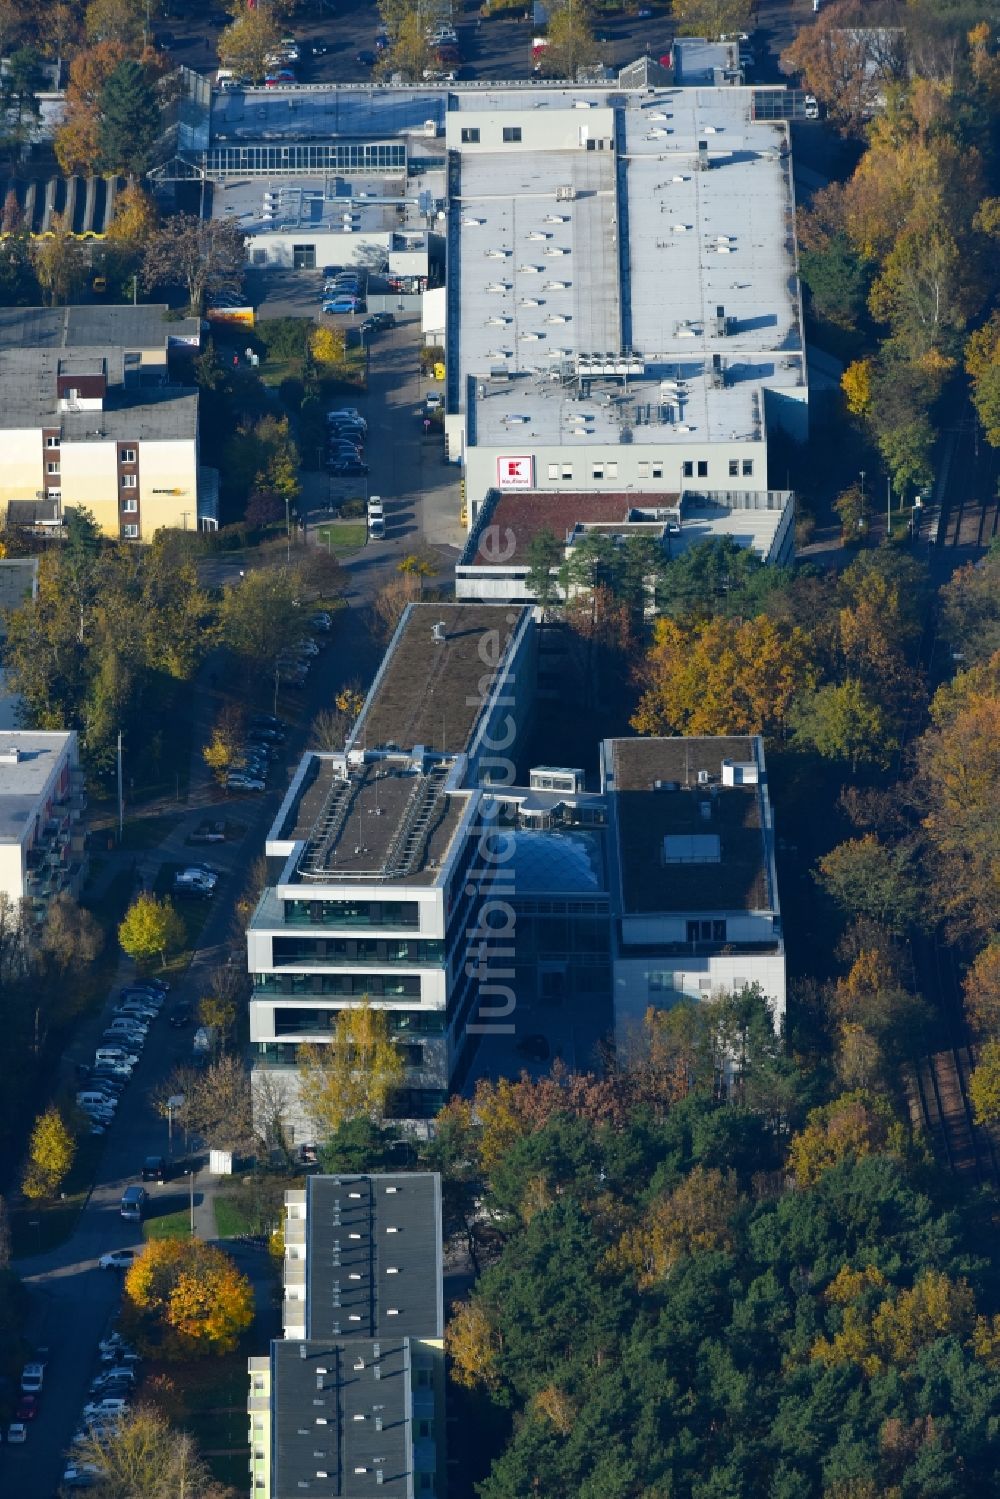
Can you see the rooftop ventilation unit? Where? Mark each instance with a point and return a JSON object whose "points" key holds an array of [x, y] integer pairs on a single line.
{"points": [[566, 194], [439, 632], [703, 160], [723, 324], [718, 374], [666, 785]]}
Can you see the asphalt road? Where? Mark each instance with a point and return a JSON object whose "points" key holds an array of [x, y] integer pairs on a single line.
{"points": [[496, 48]]}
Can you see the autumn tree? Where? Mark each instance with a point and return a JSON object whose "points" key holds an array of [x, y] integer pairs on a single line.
{"points": [[59, 261], [984, 1084], [327, 345], [354, 1073], [842, 721], [981, 988], [259, 616], [711, 18], [142, 1457], [869, 878], [191, 1298], [136, 218], [721, 676], [224, 750], [697, 1217], [410, 55], [982, 365], [851, 1127], [970, 609], [50, 1155], [205, 256], [572, 47], [473, 1345], [77, 139], [388, 604], [151, 928], [217, 1103], [958, 771], [851, 510], [247, 43], [121, 21], [846, 64]]}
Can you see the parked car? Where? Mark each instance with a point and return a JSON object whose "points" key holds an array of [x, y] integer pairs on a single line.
{"points": [[237, 781], [162, 986], [309, 647], [130, 1049], [115, 1348], [267, 721], [350, 412], [117, 1259], [365, 59], [111, 1087], [143, 991], [321, 621], [112, 1405], [80, 1476], [17, 1432], [32, 1379], [180, 1016], [27, 1408], [342, 470], [265, 736], [208, 832], [384, 319], [811, 107], [432, 401], [340, 304], [154, 1169]]}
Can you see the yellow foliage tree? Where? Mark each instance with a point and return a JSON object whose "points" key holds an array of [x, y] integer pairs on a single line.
{"points": [[224, 749], [247, 43], [327, 345], [881, 1331], [192, 1294], [50, 1155], [856, 383], [151, 928], [851, 1127], [472, 1340], [723, 676], [984, 1084], [696, 1218], [353, 1075], [982, 993], [136, 217], [557, 1407]]}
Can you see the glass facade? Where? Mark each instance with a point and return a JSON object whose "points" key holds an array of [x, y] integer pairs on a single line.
{"points": [[289, 1021], [319, 985], [330, 156], [338, 952], [362, 913]]}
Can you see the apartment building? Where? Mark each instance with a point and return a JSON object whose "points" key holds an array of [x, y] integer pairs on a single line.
{"points": [[41, 804], [102, 424], [352, 1400]]}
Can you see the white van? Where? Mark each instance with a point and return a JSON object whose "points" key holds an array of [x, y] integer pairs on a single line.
{"points": [[93, 1100]]}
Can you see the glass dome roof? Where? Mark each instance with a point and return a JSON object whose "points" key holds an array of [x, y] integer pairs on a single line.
{"points": [[556, 863]]}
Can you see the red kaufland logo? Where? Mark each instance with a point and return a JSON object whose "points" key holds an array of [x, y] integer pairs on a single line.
{"points": [[514, 473]]}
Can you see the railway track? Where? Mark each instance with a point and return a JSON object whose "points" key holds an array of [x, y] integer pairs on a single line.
{"points": [[938, 1097], [971, 523]]}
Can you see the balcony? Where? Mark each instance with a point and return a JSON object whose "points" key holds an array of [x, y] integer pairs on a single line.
{"points": [[294, 1274], [258, 1405], [288, 954]]}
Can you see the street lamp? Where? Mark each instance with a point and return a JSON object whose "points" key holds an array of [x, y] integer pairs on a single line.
{"points": [[191, 1173], [288, 533], [175, 1101]]}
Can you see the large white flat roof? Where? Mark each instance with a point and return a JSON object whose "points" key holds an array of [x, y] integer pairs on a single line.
{"points": [[23, 781], [545, 279]]}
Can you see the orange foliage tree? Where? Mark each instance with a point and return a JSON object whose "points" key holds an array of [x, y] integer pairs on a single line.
{"points": [[190, 1296], [723, 676]]}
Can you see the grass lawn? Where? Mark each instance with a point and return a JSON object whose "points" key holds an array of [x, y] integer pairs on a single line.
{"points": [[37, 1227], [344, 536], [169, 1225], [230, 1219], [211, 1394]]}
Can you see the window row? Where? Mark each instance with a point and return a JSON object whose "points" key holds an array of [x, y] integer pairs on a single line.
{"points": [[651, 469]]}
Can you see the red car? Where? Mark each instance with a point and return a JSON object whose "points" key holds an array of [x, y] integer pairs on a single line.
{"points": [[27, 1408]]}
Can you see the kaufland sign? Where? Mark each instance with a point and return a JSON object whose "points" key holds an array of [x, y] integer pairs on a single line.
{"points": [[515, 473]]}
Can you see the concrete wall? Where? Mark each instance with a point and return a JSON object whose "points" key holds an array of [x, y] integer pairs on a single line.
{"points": [[168, 485], [12, 870], [23, 464], [693, 977], [646, 468], [548, 130]]}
